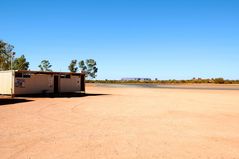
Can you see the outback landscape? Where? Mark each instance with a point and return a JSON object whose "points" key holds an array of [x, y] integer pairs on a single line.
{"points": [[122, 79], [122, 122]]}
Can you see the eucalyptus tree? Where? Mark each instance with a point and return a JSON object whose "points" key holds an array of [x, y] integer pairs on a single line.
{"points": [[6, 55], [45, 66], [20, 63], [73, 66], [89, 67]]}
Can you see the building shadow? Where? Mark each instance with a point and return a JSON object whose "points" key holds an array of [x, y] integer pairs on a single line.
{"points": [[8, 101], [21, 98], [61, 95], [94, 94]]}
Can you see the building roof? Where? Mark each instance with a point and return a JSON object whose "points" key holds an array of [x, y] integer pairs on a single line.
{"points": [[49, 73]]}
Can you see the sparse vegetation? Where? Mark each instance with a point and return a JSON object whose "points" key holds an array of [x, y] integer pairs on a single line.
{"points": [[173, 81]]}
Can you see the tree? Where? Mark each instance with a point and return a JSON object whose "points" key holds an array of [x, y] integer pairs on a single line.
{"points": [[91, 68], [82, 66], [45, 66], [6, 55], [88, 67], [72, 67], [20, 63]]}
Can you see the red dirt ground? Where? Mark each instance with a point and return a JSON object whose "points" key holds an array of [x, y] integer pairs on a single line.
{"points": [[123, 123]]}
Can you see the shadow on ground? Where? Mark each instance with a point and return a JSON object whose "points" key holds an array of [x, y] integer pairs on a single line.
{"points": [[20, 99], [7, 101], [62, 95]]}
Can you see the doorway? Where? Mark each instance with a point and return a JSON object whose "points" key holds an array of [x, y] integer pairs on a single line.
{"points": [[56, 84], [82, 83]]}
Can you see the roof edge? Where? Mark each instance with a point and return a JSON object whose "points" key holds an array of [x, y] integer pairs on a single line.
{"points": [[43, 72]]}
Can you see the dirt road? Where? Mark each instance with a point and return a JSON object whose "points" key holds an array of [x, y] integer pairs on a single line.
{"points": [[123, 123]]}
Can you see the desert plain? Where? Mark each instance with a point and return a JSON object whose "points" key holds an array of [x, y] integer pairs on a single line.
{"points": [[122, 123]]}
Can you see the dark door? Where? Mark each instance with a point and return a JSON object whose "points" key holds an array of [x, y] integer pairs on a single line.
{"points": [[56, 84], [82, 83]]}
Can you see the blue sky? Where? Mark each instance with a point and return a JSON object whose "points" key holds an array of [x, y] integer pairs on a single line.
{"points": [[164, 39]]}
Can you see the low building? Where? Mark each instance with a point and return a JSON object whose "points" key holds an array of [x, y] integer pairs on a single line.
{"points": [[37, 82], [136, 79]]}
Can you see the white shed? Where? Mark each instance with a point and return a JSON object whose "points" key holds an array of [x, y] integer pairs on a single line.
{"points": [[37, 82]]}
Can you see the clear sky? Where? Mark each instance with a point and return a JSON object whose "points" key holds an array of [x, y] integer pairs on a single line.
{"points": [[164, 39]]}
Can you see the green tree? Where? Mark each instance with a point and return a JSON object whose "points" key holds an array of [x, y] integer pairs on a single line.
{"points": [[45, 66], [72, 67], [89, 68], [20, 63], [6, 55], [82, 66]]}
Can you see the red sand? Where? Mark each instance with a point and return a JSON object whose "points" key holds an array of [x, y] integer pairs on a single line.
{"points": [[127, 123]]}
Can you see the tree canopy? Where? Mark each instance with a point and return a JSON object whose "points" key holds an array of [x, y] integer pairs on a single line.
{"points": [[73, 66], [45, 66], [20, 63], [89, 68], [6, 55], [7, 59]]}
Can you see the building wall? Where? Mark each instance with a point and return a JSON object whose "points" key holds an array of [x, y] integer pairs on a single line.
{"points": [[6, 82], [70, 84], [36, 84], [39, 83]]}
